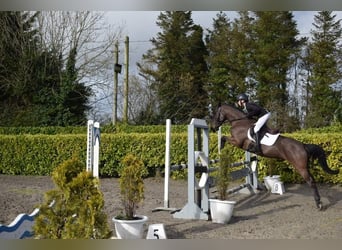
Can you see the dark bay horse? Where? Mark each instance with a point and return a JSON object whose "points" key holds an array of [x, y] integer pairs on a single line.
{"points": [[288, 149]]}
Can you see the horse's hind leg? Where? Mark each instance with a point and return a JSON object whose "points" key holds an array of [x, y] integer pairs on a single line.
{"points": [[317, 197], [311, 182]]}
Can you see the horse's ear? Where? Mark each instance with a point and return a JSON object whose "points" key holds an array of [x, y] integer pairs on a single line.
{"points": [[219, 104]]}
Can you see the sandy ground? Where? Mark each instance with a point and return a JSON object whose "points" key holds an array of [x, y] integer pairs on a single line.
{"points": [[260, 216]]}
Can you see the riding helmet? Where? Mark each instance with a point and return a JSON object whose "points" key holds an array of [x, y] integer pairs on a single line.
{"points": [[243, 96]]}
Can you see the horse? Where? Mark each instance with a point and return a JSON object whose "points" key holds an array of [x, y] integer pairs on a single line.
{"points": [[295, 152]]}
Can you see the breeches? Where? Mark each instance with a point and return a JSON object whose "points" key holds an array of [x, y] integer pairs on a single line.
{"points": [[261, 121]]}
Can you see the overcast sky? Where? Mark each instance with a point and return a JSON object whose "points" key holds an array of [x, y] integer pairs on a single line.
{"points": [[140, 27]]}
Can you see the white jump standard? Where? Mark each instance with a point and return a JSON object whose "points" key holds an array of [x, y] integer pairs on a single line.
{"points": [[199, 209], [197, 206]]}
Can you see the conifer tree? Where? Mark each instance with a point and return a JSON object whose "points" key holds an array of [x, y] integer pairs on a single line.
{"points": [[72, 96], [74, 210], [275, 46], [325, 71], [218, 43], [229, 45], [177, 66]]}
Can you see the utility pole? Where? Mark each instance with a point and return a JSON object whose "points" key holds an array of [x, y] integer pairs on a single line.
{"points": [[117, 69], [125, 108]]}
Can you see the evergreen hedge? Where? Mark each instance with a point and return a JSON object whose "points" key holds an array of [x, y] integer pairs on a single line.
{"points": [[40, 154]]}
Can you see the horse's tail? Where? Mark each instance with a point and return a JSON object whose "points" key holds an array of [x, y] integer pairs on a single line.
{"points": [[316, 152]]}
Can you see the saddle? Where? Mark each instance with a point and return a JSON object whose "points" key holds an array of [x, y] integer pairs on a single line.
{"points": [[267, 136], [263, 131]]}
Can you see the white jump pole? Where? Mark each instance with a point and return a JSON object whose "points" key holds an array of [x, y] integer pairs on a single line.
{"points": [[167, 169], [167, 162], [96, 150], [93, 147]]}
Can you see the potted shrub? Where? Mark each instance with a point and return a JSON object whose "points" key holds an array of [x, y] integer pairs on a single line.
{"points": [[221, 209], [129, 225]]}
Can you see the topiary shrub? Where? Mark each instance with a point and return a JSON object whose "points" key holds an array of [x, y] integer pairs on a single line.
{"points": [[74, 209], [131, 185], [223, 174]]}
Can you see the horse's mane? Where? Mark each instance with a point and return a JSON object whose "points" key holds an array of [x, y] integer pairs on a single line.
{"points": [[232, 106]]}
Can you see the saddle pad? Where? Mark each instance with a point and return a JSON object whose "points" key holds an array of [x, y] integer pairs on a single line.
{"points": [[268, 139]]}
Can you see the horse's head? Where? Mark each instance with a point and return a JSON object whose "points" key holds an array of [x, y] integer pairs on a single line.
{"points": [[216, 119], [225, 113]]}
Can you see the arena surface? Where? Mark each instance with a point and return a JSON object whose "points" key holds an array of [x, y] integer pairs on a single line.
{"points": [[292, 215]]}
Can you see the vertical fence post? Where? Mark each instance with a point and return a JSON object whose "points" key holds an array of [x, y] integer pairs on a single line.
{"points": [[96, 150], [90, 131], [93, 147], [167, 163]]}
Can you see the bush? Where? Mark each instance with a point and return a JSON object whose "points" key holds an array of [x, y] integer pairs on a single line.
{"points": [[74, 209], [223, 176], [131, 185]]}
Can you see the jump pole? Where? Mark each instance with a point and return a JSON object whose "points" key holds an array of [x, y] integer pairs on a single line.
{"points": [[167, 163], [93, 147], [166, 206]]}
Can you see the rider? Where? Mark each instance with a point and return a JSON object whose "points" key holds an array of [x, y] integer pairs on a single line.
{"points": [[253, 110]]}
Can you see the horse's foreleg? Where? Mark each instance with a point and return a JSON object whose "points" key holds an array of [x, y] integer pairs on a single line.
{"points": [[224, 139], [231, 140]]}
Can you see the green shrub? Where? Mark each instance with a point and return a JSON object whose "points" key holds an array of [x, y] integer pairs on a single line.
{"points": [[223, 176], [74, 210], [131, 185]]}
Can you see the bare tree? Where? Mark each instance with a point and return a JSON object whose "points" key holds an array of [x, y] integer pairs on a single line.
{"points": [[92, 37], [141, 99]]}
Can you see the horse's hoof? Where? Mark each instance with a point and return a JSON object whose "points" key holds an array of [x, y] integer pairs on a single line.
{"points": [[320, 206]]}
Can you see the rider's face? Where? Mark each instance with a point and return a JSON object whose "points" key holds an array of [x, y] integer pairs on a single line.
{"points": [[241, 103]]}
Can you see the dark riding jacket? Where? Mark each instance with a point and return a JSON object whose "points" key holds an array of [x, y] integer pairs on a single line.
{"points": [[253, 110]]}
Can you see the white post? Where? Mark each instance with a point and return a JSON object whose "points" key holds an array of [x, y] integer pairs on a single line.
{"points": [[90, 130], [167, 163], [93, 148], [167, 170], [96, 150]]}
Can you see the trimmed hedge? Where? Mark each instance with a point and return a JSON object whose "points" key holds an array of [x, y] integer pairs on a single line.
{"points": [[119, 128], [42, 130], [40, 154]]}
